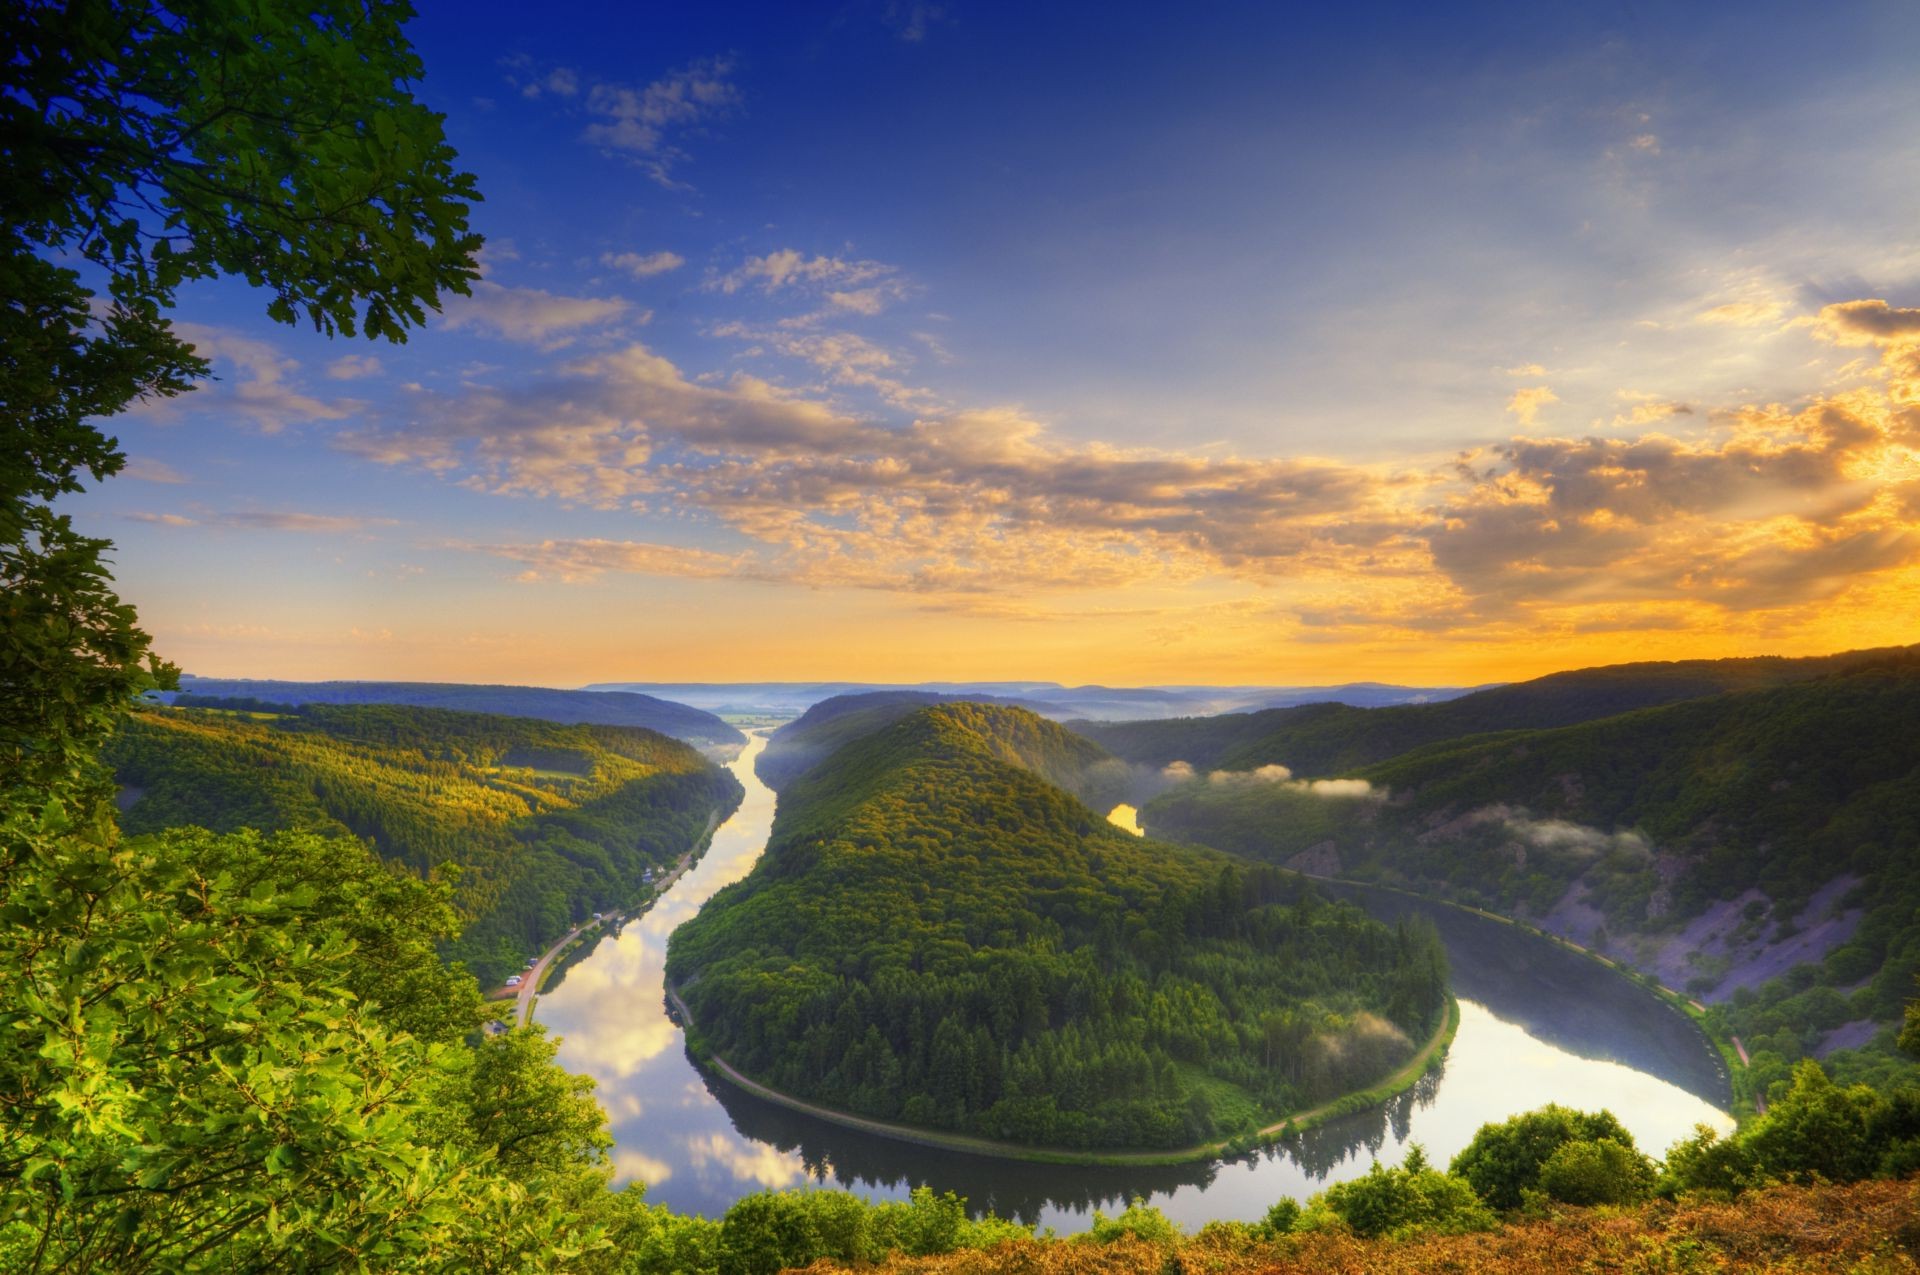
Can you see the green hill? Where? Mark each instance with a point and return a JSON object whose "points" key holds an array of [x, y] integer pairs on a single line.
{"points": [[1063, 758], [938, 935], [596, 708], [544, 823], [1334, 739], [1759, 848]]}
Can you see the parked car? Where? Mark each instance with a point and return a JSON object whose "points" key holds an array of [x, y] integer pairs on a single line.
{"points": [[514, 981]]}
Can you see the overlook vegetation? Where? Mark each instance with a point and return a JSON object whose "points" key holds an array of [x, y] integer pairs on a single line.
{"points": [[1624, 830], [938, 935], [537, 825], [597, 708]]}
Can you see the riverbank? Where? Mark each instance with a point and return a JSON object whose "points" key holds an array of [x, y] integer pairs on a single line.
{"points": [[1745, 1103], [533, 982], [1424, 1060]]}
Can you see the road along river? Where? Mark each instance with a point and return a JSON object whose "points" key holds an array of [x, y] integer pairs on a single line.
{"points": [[1538, 1024]]}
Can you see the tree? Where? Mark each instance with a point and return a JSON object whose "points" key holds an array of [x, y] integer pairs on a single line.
{"points": [[152, 145], [188, 1074]]}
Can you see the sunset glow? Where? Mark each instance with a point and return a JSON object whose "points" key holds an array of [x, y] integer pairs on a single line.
{"points": [[916, 341]]}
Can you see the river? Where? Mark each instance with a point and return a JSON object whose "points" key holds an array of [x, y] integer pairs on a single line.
{"points": [[1538, 1025]]}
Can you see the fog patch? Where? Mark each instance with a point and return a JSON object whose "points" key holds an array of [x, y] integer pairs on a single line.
{"points": [[1274, 774], [1577, 839]]}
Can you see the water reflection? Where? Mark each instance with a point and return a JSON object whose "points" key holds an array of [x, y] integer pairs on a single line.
{"points": [[1538, 1025]]}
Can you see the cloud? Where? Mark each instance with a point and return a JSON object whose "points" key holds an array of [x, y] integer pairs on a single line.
{"points": [[258, 383], [530, 315], [1755, 509], [641, 124], [911, 19], [1349, 789], [846, 358], [147, 470], [862, 287], [351, 367], [572, 561], [1871, 322], [643, 267], [1526, 370], [1526, 403], [269, 520], [1745, 314]]}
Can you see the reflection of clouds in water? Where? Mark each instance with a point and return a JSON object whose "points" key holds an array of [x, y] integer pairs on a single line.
{"points": [[621, 1104], [630, 1165], [746, 1162]]}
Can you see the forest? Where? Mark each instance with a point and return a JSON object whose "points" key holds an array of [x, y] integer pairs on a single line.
{"points": [[938, 935], [1652, 818], [537, 825]]}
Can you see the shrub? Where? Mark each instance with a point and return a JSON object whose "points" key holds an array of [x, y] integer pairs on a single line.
{"points": [[1596, 1171], [1506, 1159]]}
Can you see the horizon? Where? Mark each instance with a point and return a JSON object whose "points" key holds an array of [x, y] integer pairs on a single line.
{"points": [[917, 342]]}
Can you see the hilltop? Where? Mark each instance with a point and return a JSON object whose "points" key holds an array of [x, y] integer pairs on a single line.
{"points": [[1071, 761], [596, 708], [544, 823], [940, 936]]}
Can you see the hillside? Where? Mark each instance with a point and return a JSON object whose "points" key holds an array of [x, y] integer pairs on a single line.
{"points": [[938, 935], [1062, 758], [545, 823], [1717, 842], [594, 708], [1334, 739]]}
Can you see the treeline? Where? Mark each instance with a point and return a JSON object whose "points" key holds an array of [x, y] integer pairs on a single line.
{"points": [[939, 936], [1781, 790], [1332, 739], [537, 825]]}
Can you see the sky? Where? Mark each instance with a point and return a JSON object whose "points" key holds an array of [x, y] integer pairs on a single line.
{"points": [[1251, 344]]}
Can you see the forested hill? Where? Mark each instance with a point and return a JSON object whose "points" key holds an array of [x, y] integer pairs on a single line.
{"points": [[1063, 758], [1333, 739], [1717, 842], [597, 708], [546, 823], [938, 935]]}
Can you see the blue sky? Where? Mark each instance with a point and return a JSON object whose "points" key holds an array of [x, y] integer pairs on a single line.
{"points": [[1118, 343]]}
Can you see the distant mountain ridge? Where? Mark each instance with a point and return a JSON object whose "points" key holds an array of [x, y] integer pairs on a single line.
{"points": [[1332, 739], [693, 725], [1049, 699]]}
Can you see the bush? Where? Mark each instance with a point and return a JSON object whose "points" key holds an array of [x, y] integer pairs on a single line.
{"points": [[1506, 1159], [1596, 1171], [1140, 1220], [1400, 1202]]}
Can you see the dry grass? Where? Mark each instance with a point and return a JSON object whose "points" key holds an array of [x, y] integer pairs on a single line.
{"points": [[1870, 1228]]}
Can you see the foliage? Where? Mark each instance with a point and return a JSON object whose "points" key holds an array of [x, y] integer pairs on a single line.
{"points": [[939, 936], [596, 708], [1813, 1130], [1410, 1200], [540, 825], [1138, 1221], [775, 1230], [1596, 1171], [242, 1052], [1828, 1230], [1506, 1159]]}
